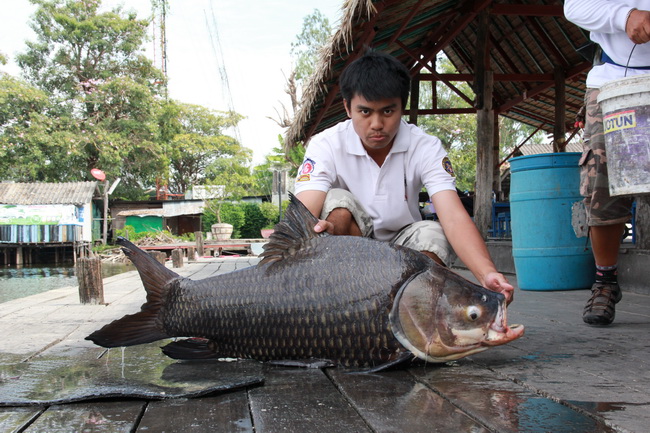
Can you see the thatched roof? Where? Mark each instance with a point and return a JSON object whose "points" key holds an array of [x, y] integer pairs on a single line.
{"points": [[530, 41]]}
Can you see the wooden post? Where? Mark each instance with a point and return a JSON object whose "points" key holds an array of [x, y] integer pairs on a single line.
{"points": [[177, 258], [91, 284], [191, 254], [199, 242], [415, 100], [642, 222], [559, 129], [496, 173], [159, 255], [485, 130]]}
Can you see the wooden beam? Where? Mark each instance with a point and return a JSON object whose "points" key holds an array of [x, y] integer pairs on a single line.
{"points": [[485, 130], [415, 101], [547, 42], [414, 10], [433, 111], [527, 10], [519, 146], [435, 74], [576, 70], [559, 127], [466, 16], [497, 77]]}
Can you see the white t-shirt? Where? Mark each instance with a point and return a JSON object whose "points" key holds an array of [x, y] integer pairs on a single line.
{"points": [[605, 20], [335, 158]]}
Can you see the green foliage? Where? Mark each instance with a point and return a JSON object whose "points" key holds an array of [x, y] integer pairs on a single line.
{"points": [[197, 144], [315, 33], [247, 219], [129, 233], [77, 47], [263, 173], [93, 100], [230, 213], [271, 214], [188, 237], [254, 220]]}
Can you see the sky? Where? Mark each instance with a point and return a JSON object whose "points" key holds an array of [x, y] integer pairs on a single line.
{"points": [[254, 37]]}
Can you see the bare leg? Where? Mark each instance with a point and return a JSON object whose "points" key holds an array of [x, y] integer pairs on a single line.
{"points": [[434, 257], [344, 223], [606, 241]]}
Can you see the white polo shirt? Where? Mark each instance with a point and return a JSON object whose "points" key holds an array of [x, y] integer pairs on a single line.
{"points": [[606, 20], [336, 158]]}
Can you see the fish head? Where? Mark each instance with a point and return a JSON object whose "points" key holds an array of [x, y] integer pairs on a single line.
{"points": [[440, 316]]}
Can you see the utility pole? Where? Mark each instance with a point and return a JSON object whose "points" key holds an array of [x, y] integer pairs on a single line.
{"points": [[159, 9]]}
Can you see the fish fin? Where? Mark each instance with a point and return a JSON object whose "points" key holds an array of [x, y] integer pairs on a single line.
{"points": [[291, 233], [141, 327], [190, 348], [402, 358], [303, 363]]}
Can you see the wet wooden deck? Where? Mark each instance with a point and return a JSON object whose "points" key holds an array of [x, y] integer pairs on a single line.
{"points": [[563, 376]]}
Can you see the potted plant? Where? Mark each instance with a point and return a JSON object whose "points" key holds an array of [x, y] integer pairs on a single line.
{"points": [[230, 180], [271, 214]]}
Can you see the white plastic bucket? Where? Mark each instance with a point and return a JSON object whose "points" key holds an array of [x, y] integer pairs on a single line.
{"points": [[626, 119]]}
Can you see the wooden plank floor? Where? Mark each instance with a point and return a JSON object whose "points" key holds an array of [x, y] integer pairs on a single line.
{"points": [[541, 383]]}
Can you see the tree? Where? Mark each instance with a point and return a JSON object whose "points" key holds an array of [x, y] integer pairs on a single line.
{"points": [[102, 91], [315, 33], [197, 145]]}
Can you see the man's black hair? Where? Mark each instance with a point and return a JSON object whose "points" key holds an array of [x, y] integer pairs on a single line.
{"points": [[375, 76]]}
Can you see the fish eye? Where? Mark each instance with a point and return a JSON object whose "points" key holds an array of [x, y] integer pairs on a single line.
{"points": [[473, 313]]}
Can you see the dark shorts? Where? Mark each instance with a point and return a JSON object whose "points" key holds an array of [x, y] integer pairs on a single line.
{"points": [[602, 209]]}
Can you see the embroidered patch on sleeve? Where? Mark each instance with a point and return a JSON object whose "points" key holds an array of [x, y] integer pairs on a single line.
{"points": [[446, 164], [306, 169]]}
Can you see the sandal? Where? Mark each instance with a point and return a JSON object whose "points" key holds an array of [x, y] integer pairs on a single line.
{"points": [[600, 307]]}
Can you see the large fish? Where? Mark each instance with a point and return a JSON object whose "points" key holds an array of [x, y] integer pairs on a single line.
{"points": [[349, 301]]}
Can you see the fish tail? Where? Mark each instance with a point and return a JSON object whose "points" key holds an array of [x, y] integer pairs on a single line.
{"points": [[142, 327]]}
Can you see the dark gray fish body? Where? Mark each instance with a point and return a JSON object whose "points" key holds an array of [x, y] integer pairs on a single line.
{"points": [[352, 301]]}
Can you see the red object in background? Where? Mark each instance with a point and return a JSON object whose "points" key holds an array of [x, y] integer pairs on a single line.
{"points": [[98, 174]]}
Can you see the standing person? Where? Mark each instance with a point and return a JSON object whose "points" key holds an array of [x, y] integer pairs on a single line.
{"points": [[622, 29], [363, 176]]}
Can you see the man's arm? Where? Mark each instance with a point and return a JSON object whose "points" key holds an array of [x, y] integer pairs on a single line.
{"points": [[314, 200], [467, 242]]}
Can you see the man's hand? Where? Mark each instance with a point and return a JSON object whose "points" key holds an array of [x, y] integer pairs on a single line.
{"points": [[324, 226], [637, 26], [498, 283]]}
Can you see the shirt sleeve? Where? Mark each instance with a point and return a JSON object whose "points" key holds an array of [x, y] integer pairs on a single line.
{"points": [[601, 16], [317, 172], [437, 171]]}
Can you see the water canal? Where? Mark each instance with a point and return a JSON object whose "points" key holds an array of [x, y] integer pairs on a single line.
{"points": [[18, 282]]}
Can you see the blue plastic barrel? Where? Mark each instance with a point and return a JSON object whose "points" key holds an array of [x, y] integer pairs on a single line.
{"points": [[547, 253]]}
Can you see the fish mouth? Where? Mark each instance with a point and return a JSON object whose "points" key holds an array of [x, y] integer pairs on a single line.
{"points": [[499, 333]]}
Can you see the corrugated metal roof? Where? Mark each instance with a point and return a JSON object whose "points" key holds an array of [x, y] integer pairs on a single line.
{"points": [[169, 209], [537, 148], [142, 212], [77, 193]]}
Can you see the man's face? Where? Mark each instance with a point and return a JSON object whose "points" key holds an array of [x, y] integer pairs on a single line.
{"points": [[375, 122]]}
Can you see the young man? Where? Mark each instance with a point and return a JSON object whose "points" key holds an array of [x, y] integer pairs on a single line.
{"points": [[363, 176], [622, 31]]}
